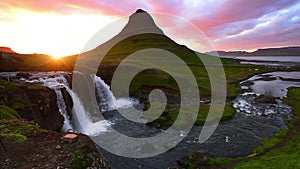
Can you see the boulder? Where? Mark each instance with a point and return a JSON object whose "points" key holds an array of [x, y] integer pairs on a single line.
{"points": [[265, 99], [198, 158]]}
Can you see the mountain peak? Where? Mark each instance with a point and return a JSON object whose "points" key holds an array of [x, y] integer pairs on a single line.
{"points": [[140, 11], [141, 21]]}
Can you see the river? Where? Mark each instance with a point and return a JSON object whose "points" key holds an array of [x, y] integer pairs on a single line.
{"points": [[237, 137], [268, 60]]}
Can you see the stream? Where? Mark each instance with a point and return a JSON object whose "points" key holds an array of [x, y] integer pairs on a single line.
{"points": [[237, 137]]}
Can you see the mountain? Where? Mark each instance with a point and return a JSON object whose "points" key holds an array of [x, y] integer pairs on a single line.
{"points": [[139, 33], [284, 51], [6, 49]]}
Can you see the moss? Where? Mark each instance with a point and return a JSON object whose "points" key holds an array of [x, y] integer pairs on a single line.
{"points": [[8, 85], [17, 126], [80, 160], [15, 105], [7, 113], [17, 137], [37, 87], [17, 129]]}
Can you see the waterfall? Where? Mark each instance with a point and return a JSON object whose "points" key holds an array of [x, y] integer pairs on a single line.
{"points": [[106, 99], [63, 110], [81, 121]]}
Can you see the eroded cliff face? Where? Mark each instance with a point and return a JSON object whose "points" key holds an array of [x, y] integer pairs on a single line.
{"points": [[32, 102]]}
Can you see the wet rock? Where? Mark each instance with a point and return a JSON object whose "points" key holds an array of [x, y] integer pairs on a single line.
{"points": [[154, 124], [68, 101], [289, 79], [246, 90], [23, 74], [266, 79], [198, 158], [247, 83], [265, 99]]}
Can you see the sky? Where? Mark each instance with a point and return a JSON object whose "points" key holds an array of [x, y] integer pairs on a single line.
{"points": [[63, 27]]}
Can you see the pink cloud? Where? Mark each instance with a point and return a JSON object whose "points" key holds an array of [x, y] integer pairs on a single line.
{"points": [[216, 18]]}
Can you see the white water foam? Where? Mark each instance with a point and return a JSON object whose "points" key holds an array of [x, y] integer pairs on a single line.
{"points": [[106, 99], [81, 120]]}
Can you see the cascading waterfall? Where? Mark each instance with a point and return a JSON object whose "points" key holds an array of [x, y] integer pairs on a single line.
{"points": [[81, 122], [55, 83], [106, 99], [63, 110]]}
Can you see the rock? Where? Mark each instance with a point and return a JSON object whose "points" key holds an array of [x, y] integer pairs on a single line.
{"points": [[23, 74], [69, 138], [57, 147], [140, 11], [247, 83], [268, 78], [33, 102], [198, 158], [265, 99], [68, 101]]}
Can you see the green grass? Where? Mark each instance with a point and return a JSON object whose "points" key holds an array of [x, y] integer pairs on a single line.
{"points": [[16, 136], [270, 142], [8, 113], [286, 157], [80, 160], [17, 129]]}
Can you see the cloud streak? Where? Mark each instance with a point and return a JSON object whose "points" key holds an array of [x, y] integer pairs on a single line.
{"points": [[230, 25]]}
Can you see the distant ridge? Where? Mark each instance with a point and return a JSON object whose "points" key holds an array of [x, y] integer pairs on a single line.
{"points": [[6, 49], [284, 51]]}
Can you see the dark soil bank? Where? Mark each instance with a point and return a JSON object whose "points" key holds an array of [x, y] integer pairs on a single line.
{"points": [[36, 148]]}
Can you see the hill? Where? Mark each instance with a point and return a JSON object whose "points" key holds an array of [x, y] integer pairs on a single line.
{"points": [[6, 49], [284, 51]]}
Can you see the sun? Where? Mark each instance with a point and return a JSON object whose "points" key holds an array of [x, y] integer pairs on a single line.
{"points": [[56, 57]]}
